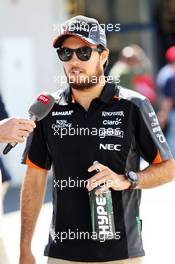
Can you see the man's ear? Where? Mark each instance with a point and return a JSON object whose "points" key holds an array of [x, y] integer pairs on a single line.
{"points": [[105, 55]]}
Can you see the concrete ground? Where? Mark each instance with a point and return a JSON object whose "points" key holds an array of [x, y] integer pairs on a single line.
{"points": [[157, 212]]}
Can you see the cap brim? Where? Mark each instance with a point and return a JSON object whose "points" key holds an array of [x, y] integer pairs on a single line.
{"points": [[59, 40]]}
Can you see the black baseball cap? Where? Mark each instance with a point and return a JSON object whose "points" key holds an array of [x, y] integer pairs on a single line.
{"points": [[86, 28]]}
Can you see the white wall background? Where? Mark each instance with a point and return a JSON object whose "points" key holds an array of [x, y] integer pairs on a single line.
{"points": [[28, 62]]}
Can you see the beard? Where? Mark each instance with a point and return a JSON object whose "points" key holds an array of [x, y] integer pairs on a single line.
{"points": [[85, 82]]}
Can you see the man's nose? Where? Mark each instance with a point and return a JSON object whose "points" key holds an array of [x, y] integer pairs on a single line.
{"points": [[75, 61]]}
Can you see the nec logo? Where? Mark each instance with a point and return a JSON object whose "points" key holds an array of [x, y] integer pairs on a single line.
{"points": [[43, 99], [116, 147]]}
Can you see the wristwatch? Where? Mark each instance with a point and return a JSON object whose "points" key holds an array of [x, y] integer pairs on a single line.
{"points": [[132, 177]]}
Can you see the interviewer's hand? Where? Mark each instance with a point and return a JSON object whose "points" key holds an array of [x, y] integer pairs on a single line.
{"points": [[15, 129], [107, 179]]}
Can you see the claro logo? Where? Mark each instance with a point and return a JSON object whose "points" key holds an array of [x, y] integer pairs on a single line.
{"points": [[116, 147], [43, 99]]}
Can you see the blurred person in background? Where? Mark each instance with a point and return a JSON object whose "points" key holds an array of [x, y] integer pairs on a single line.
{"points": [[134, 70], [166, 115], [4, 171], [11, 130], [166, 71], [3, 254]]}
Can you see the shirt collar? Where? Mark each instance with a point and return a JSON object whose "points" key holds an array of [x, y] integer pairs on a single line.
{"points": [[110, 90]]}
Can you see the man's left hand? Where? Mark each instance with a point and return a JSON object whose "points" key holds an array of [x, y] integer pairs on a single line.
{"points": [[106, 178]]}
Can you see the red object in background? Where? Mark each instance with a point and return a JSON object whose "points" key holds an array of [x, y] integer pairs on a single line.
{"points": [[144, 84], [170, 54]]}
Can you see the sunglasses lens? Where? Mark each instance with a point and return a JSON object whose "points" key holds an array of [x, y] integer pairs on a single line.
{"points": [[65, 54], [84, 53]]}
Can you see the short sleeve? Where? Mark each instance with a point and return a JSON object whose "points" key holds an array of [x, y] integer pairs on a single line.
{"points": [[150, 139], [36, 151]]}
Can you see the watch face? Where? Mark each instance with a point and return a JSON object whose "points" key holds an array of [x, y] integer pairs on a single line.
{"points": [[133, 176]]}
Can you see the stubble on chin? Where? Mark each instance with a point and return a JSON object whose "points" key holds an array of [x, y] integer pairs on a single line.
{"points": [[84, 83]]}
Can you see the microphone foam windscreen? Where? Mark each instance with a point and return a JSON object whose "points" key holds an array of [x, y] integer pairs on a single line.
{"points": [[41, 106]]}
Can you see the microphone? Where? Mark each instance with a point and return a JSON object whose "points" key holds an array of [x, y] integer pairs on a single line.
{"points": [[39, 108]]}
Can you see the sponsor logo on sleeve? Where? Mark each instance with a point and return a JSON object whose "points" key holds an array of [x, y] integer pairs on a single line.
{"points": [[156, 127]]}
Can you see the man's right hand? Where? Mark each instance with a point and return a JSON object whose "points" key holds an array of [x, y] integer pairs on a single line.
{"points": [[15, 129], [27, 258], [32, 195]]}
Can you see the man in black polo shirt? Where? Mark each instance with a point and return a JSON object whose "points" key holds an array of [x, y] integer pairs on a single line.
{"points": [[93, 120]]}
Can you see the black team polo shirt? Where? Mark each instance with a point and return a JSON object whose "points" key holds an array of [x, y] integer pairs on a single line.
{"points": [[121, 126]]}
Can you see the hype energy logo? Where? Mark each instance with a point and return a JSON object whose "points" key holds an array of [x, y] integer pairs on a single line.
{"points": [[102, 215], [43, 99]]}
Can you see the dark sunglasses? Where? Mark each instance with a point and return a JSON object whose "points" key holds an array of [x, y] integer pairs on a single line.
{"points": [[83, 53]]}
